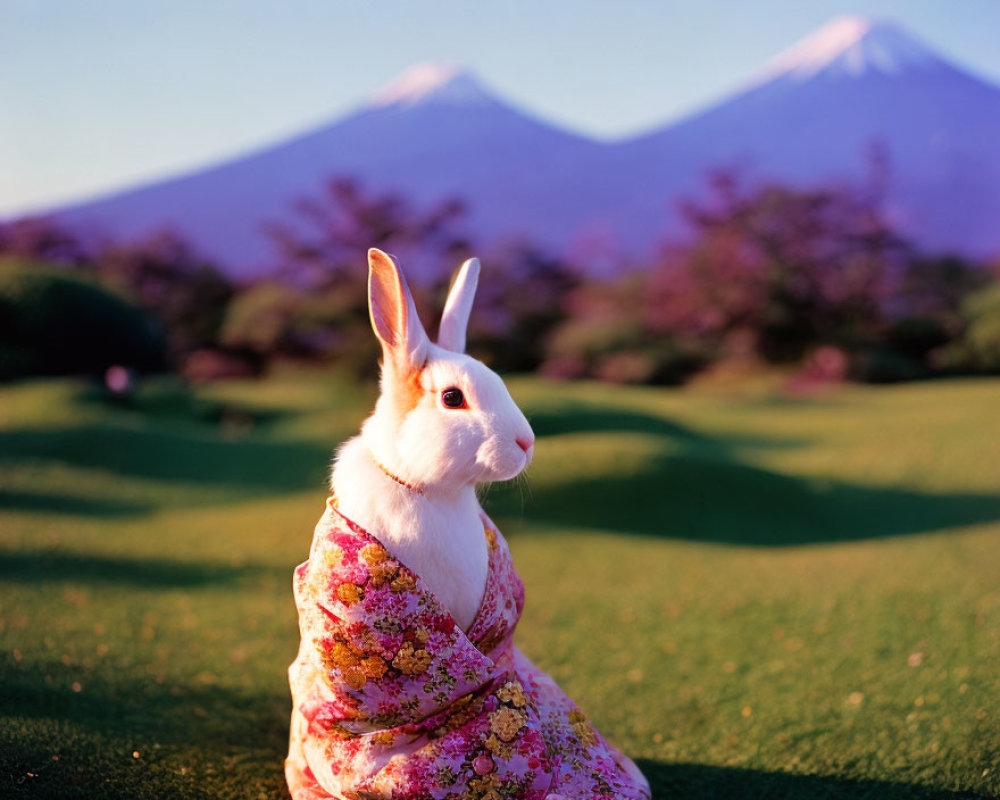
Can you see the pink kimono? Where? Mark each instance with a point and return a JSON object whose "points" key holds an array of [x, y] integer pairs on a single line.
{"points": [[393, 700]]}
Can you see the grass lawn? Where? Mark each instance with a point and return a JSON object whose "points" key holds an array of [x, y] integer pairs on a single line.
{"points": [[755, 597]]}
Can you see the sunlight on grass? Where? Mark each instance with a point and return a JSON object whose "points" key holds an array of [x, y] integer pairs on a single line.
{"points": [[755, 597]]}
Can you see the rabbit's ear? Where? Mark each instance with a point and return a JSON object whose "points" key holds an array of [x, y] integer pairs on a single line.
{"points": [[393, 314], [455, 318]]}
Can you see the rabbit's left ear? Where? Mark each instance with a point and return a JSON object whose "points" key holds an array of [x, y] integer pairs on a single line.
{"points": [[394, 315], [455, 318]]}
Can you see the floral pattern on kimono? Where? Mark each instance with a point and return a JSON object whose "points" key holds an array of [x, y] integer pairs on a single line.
{"points": [[392, 699]]}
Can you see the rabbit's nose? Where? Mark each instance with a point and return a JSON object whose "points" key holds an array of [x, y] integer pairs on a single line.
{"points": [[525, 442]]}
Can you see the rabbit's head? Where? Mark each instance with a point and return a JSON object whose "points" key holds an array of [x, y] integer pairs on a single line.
{"points": [[444, 420]]}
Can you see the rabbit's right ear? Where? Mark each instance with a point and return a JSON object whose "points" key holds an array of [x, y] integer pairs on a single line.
{"points": [[393, 314], [455, 318]]}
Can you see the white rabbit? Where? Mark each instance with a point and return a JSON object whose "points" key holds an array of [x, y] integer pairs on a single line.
{"points": [[407, 681], [413, 437]]}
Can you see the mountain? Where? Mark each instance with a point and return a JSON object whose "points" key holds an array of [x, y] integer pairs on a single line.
{"points": [[812, 116], [815, 113], [435, 132]]}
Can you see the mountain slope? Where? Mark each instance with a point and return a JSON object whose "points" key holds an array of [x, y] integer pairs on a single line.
{"points": [[814, 115], [434, 133]]}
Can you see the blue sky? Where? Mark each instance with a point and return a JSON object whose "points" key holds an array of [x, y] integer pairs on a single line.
{"points": [[101, 94]]}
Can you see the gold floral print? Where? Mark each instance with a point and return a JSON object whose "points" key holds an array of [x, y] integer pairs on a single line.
{"points": [[403, 583], [485, 783], [446, 775], [337, 655], [354, 677], [505, 722], [464, 710], [582, 728], [512, 692], [374, 667], [350, 593], [373, 553], [382, 573], [410, 661], [501, 749]]}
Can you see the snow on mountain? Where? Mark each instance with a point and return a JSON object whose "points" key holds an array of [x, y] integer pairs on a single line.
{"points": [[434, 133], [433, 83], [815, 115], [811, 116], [851, 47]]}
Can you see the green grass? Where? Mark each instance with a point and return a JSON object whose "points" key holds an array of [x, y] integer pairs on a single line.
{"points": [[755, 597]]}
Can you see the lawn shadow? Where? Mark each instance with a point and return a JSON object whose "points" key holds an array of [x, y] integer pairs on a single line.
{"points": [[705, 489], [723, 783], [52, 503], [188, 741], [164, 454], [583, 418], [172, 401], [53, 567], [717, 500]]}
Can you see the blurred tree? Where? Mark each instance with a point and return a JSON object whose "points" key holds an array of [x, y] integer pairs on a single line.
{"points": [[777, 274], [936, 287], [273, 318], [605, 336], [55, 322], [264, 318], [182, 290], [778, 271], [335, 230], [925, 315], [323, 255], [521, 299], [978, 349], [41, 239]]}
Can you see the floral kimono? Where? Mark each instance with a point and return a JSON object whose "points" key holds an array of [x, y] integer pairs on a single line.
{"points": [[392, 699]]}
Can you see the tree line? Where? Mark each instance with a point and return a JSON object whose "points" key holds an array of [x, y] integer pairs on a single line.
{"points": [[816, 280]]}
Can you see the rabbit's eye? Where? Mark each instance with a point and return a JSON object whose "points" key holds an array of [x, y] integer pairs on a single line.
{"points": [[453, 398]]}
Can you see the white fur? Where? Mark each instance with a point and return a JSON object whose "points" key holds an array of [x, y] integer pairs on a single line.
{"points": [[455, 317], [437, 532]]}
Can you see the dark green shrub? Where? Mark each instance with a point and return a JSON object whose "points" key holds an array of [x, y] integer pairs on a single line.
{"points": [[55, 322], [978, 350], [880, 364]]}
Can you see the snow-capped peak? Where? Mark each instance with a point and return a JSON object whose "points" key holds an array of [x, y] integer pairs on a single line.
{"points": [[849, 47], [432, 82]]}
